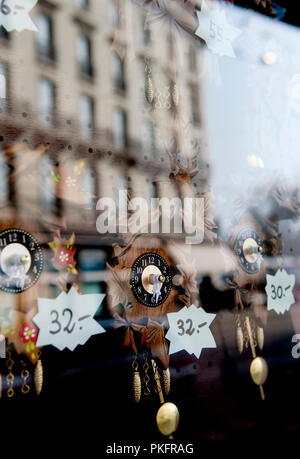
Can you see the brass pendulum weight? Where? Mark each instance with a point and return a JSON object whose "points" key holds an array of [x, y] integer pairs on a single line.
{"points": [[137, 386], [38, 376], [167, 417], [149, 84], [258, 367], [167, 380], [239, 335]]}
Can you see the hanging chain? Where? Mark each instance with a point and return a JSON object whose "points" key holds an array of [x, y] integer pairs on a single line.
{"points": [[134, 365], [146, 378], [245, 334], [25, 375], [10, 376], [254, 332], [238, 320]]}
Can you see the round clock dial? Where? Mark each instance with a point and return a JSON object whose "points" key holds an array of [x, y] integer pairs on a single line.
{"points": [[250, 250], [21, 260], [151, 279]]}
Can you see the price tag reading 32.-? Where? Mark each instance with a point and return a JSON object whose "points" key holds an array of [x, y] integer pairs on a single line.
{"points": [[66, 321], [279, 290], [189, 330]]}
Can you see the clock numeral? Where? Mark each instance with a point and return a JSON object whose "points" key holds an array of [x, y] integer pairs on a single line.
{"points": [[34, 269], [139, 270], [144, 263], [31, 245], [3, 242], [13, 237], [139, 290], [151, 260]]}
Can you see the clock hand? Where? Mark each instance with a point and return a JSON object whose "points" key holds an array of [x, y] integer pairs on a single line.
{"points": [[157, 284]]}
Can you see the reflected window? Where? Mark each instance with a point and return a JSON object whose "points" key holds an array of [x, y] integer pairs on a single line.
{"points": [[195, 105], [118, 72], [86, 116], [192, 58], [120, 128], [113, 13], [4, 191], [4, 34], [3, 86], [46, 101], [170, 43], [84, 55], [48, 199], [84, 4], [88, 185], [146, 33], [45, 36], [148, 137]]}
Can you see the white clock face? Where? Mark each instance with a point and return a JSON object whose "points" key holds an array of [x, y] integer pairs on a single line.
{"points": [[21, 260]]}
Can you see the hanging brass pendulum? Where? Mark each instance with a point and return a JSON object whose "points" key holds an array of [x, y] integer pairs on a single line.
{"points": [[258, 367], [167, 417]]}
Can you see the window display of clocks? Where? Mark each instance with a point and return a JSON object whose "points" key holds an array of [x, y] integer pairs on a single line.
{"points": [[151, 279], [21, 260]]}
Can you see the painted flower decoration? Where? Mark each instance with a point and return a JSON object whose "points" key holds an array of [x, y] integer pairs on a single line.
{"points": [[29, 333], [71, 182], [64, 252], [64, 256]]}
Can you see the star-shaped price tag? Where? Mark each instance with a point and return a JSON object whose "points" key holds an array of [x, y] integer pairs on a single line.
{"points": [[14, 15], [279, 290], [189, 330], [216, 31], [66, 321]]}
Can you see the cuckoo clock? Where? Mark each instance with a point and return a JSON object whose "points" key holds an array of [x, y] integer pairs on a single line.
{"points": [[257, 245]]}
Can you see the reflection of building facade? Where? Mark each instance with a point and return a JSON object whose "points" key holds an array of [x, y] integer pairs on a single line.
{"points": [[78, 87]]}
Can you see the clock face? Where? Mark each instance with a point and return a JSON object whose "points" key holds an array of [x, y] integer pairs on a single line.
{"points": [[151, 279], [250, 250], [21, 260]]}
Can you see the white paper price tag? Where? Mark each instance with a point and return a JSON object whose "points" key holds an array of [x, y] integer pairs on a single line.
{"points": [[279, 290], [216, 31], [189, 330], [14, 14], [67, 321]]}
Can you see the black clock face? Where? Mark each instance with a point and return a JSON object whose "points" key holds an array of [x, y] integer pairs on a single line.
{"points": [[151, 279], [250, 250], [21, 260]]}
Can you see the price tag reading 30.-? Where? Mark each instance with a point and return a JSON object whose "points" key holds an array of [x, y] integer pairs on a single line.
{"points": [[189, 330], [67, 321], [279, 290]]}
